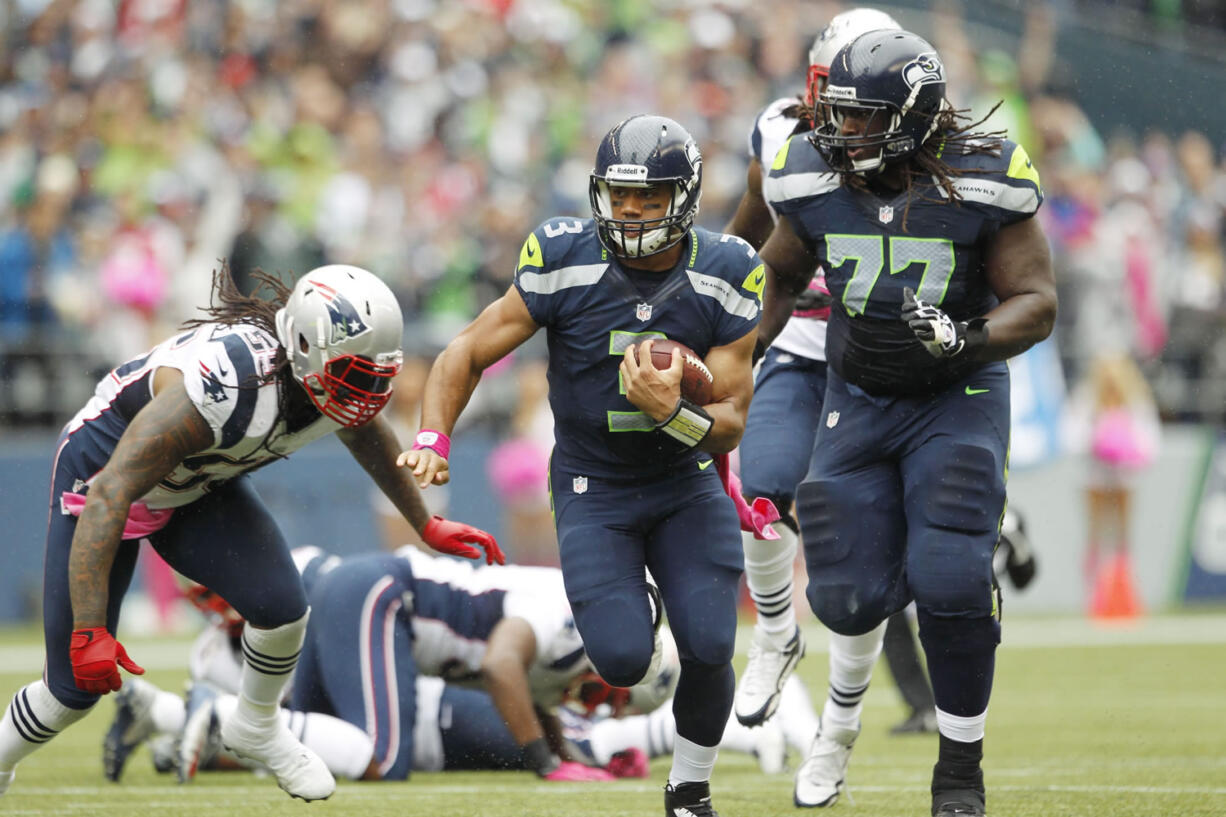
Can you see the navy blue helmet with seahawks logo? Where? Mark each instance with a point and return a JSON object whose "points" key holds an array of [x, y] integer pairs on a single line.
{"points": [[892, 84], [642, 151]]}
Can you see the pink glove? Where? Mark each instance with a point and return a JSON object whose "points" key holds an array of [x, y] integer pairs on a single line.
{"points": [[571, 772], [450, 537], [814, 302], [754, 518], [95, 653], [630, 762]]}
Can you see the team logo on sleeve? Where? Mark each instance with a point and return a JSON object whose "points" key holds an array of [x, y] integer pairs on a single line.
{"points": [[346, 322], [643, 312]]}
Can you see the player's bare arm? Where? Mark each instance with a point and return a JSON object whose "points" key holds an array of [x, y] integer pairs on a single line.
{"points": [[752, 220], [1019, 270], [167, 429], [504, 668], [497, 331], [789, 267], [374, 446]]}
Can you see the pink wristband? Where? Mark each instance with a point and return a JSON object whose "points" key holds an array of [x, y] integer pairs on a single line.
{"points": [[436, 441]]}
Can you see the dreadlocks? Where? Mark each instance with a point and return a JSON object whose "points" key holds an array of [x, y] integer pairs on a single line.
{"points": [[228, 306]]}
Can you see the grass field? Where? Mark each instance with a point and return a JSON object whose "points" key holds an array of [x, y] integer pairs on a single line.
{"points": [[1085, 720]]}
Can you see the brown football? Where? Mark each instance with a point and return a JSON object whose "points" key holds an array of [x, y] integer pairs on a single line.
{"points": [[697, 382]]}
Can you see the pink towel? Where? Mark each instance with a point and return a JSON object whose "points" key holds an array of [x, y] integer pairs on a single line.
{"points": [[142, 520], [755, 518]]}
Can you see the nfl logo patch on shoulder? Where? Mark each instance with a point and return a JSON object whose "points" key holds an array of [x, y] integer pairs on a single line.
{"points": [[886, 214], [579, 484], [643, 312]]}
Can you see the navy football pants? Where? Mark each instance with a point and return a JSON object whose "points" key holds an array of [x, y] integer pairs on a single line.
{"points": [[782, 425], [684, 529]]}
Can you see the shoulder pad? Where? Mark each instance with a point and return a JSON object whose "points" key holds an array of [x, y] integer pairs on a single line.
{"points": [[771, 128], [552, 240], [797, 172], [1008, 181]]}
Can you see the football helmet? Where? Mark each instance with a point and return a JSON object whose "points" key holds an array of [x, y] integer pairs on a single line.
{"points": [[591, 691], [893, 83], [341, 329], [842, 29], [642, 151]]}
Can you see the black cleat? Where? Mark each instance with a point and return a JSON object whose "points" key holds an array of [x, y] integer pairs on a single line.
{"points": [[1020, 563], [958, 803], [132, 726], [688, 800]]}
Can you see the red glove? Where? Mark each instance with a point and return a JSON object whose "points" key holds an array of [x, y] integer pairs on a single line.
{"points": [[94, 653], [450, 537], [571, 772]]}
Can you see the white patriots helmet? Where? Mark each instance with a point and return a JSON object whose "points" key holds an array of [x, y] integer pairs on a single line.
{"points": [[841, 30], [341, 329]]}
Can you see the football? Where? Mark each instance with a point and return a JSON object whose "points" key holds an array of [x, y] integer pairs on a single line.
{"points": [[697, 381]]}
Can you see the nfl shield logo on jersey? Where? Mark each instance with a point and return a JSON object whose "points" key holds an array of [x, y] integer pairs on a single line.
{"points": [[580, 485], [832, 419], [643, 312], [886, 214]]}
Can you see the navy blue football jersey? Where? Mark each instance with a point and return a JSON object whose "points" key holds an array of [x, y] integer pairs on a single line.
{"points": [[593, 308], [872, 247]]}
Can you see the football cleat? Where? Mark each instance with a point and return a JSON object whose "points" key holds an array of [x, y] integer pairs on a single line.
{"points": [[688, 800], [822, 777], [163, 751], [298, 770], [132, 726], [200, 739], [958, 803], [758, 694], [770, 747], [1020, 562], [920, 722]]}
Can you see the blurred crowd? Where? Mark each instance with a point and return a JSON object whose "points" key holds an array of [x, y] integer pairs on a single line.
{"points": [[143, 143]]}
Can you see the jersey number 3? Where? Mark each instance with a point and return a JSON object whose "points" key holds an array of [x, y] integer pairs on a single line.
{"points": [[870, 253]]}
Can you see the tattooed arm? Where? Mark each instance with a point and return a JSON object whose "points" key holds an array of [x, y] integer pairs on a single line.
{"points": [[165, 431]]}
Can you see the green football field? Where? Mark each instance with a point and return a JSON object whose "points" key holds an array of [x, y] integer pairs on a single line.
{"points": [[1085, 720]]}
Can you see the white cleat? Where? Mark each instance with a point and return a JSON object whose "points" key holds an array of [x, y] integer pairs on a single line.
{"points": [[299, 771], [757, 695], [770, 747], [822, 777]]}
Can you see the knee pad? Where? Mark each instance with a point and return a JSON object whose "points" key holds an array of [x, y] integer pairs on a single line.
{"points": [[619, 645], [968, 493], [854, 584]]}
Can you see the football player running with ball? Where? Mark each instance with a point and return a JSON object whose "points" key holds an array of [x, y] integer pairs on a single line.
{"points": [[161, 452], [939, 273], [775, 454], [631, 476]]}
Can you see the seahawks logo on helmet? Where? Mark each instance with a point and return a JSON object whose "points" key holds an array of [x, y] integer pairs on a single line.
{"points": [[346, 322], [924, 69]]}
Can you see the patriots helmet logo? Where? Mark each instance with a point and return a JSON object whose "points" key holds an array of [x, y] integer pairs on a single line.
{"points": [[342, 313]]}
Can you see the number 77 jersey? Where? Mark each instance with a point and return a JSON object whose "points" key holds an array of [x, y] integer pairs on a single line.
{"points": [[874, 244]]}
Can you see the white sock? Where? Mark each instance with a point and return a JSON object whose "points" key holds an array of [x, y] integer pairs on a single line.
{"points": [[344, 748], [269, 658], [168, 712], [33, 718], [692, 763], [770, 574], [852, 658], [963, 730]]}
